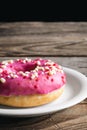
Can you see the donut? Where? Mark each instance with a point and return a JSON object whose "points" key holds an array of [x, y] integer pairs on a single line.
{"points": [[30, 82]]}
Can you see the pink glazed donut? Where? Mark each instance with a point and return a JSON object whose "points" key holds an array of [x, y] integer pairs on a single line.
{"points": [[27, 83]]}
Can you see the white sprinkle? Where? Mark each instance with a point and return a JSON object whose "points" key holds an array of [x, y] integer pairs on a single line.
{"points": [[27, 72], [2, 80], [4, 62], [54, 68], [61, 71], [12, 75], [10, 61], [20, 72], [39, 68], [59, 67], [24, 61], [7, 61], [27, 59], [15, 76], [38, 63], [36, 69], [34, 75], [49, 63], [23, 74], [17, 59], [46, 68], [3, 66], [52, 72], [9, 76]]}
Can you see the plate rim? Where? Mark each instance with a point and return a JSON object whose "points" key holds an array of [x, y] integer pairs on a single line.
{"points": [[77, 99]]}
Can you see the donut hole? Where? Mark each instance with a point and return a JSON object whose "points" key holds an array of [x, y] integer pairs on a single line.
{"points": [[24, 68], [30, 67]]}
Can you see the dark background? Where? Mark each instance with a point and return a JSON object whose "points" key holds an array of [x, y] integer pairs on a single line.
{"points": [[43, 11]]}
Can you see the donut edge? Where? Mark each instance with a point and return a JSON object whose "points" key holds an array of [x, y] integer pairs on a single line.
{"points": [[31, 100]]}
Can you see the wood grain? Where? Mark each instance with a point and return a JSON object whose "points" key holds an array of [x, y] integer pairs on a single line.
{"points": [[64, 43], [43, 39], [74, 118]]}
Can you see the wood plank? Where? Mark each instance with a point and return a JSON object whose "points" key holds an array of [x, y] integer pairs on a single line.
{"points": [[76, 124], [64, 43], [43, 39], [73, 117]]}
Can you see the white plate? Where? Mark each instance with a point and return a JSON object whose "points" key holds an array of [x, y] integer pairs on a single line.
{"points": [[75, 91]]}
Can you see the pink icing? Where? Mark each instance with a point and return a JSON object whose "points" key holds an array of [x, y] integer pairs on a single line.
{"points": [[24, 77]]}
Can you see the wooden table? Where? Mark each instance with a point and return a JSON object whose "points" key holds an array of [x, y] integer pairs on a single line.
{"points": [[65, 43]]}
